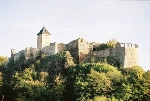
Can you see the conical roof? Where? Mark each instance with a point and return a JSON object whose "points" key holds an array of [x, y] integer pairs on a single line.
{"points": [[43, 31]]}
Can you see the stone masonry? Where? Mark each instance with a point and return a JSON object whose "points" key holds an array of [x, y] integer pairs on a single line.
{"points": [[80, 49]]}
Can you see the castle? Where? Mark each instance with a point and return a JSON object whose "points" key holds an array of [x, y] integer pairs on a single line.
{"points": [[80, 49]]}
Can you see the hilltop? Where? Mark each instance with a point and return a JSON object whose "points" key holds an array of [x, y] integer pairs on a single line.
{"points": [[58, 78], [77, 71]]}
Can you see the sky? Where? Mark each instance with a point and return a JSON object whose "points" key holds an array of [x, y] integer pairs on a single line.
{"points": [[66, 20]]}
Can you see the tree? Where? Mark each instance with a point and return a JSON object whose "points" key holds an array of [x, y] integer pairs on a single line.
{"points": [[102, 46], [133, 83], [59, 88], [112, 43], [146, 77], [92, 80], [3, 60]]}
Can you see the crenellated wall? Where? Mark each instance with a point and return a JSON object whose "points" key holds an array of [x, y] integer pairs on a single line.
{"points": [[80, 49], [129, 45], [125, 53], [128, 54]]}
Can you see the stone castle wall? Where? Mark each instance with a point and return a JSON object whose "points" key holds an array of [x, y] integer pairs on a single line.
{"points": [[61, 47], [80, 49], [53, 48], [20, 54], [125, 53], [101, 53], [84, 48], [50, 50], [118, 54], [73, 48], [32, 53], [28, 53]]}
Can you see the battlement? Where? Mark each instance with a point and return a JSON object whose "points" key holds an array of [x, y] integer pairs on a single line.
{"points": [[129, 45], [80, 49]]}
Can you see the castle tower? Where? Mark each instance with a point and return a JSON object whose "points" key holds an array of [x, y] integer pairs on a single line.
{"points": [[43, 38], [13, 52], [131, 55], [126, 54]]}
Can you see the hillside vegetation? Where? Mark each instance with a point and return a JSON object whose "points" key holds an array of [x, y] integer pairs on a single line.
{"points": [[57, 78]]}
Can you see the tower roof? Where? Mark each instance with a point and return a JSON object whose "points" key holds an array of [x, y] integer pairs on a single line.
{"points": [[43, 31]]}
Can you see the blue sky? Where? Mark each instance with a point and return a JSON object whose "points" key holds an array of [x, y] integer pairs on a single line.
{"points": [[67, 20]]}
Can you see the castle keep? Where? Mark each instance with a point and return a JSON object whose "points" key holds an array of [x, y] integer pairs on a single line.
{"points": [[80, 49]]}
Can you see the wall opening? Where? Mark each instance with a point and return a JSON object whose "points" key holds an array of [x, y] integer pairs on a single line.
{"points": [[94, 49]]}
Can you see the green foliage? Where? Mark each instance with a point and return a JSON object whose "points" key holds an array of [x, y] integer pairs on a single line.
{"points": [[108, 60], [133, 73], [93, 60], [57, 78], [146, 84], [100, 98], [104, 68], [112, 43], [92, 80], [59, 88], [43, 76], [102, 46], [33, 90], [31, 80], [132, 87], [3, 60], [112, 61], [99, 83], [1, 79]]}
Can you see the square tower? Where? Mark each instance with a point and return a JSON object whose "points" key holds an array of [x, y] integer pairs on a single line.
{"points": [[43, 38], [131, 55]]}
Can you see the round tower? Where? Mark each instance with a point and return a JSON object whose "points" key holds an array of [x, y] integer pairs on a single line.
{"points": [[43, 38]]}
